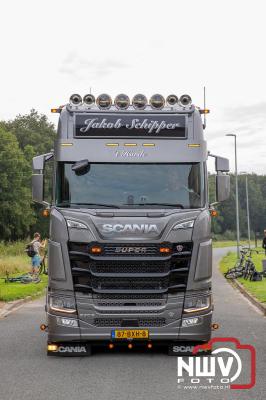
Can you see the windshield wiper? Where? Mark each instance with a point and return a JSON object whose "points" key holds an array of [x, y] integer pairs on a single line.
{"points": [[156, 204], [88, 204]]}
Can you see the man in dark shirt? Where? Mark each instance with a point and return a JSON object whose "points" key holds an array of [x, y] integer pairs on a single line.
{"points": [[264, 241]]}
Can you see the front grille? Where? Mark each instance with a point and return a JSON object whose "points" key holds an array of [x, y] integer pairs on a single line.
{"points": [[129, 304], [127, 311], [142, 296], [129, 275], [130, 267], [130, 284], [140, 322], [136, 250]]}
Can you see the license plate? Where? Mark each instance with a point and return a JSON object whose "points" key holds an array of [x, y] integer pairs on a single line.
{"points": [[130, 334]]}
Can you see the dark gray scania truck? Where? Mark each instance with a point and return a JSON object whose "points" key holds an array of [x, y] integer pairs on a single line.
{"points": [[130, 250]]}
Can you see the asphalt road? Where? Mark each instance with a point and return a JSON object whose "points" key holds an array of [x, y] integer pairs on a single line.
{"points": [[27, 373]]}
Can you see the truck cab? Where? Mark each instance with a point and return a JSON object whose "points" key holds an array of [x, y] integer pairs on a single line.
{"points": [[130, 249]]}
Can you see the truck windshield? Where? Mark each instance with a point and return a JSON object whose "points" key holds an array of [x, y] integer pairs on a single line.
{"points": [[131, 185]]}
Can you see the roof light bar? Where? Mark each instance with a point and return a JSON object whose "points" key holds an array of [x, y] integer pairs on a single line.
{"points": [[157, 101], [122, 101], [185, 100], [89, 99], [139, 101], [172, 99], [104, 101], [75, 99]]}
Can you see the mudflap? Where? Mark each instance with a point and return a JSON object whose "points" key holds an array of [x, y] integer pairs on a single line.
{"points": [[70, 349], [186, 349]]}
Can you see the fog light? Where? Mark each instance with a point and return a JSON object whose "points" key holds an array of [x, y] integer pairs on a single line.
{"points": [[70, 322], [190, 321]]}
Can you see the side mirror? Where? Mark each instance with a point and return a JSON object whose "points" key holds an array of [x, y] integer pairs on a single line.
{"points": [[37, 188], [222, 187], [221, 164], [38, 164]]}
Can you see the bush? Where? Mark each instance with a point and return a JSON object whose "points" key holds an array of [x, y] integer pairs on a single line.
{"points": [[12, 248]]}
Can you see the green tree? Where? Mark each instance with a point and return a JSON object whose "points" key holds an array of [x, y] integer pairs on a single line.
{"points": [[33, 130], [16, 214], [35, 135]]}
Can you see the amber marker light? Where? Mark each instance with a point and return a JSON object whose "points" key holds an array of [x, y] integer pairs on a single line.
{"points": [[194, 145], [165, 250], [204, 111], [66, 144], [43, 327], [111, 346], [46, 212], [214, 213], [149, 345], [130, 346], [96, 250]]}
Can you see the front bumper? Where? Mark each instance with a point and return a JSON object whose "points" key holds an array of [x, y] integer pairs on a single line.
{"points": [[174, 331]]}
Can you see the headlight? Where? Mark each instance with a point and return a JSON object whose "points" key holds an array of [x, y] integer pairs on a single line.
{"points": [[194, 304], [76, 224], [66, 305], [184, 225]]}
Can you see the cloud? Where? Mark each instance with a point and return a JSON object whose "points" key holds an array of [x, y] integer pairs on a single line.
{"points": [[245, 113], [80, 68]]}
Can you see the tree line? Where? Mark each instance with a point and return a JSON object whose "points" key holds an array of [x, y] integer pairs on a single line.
{"points": [[28, 135]]}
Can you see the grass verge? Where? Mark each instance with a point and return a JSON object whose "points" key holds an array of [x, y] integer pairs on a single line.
{"points": [[257, 289], [14, 291], [14, 261], [231, 243]]}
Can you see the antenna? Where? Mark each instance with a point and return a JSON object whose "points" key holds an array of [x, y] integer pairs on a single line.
{"points": [[204, 101]]}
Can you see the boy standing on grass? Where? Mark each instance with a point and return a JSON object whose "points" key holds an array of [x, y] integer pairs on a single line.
{"points": [[36, 259]]}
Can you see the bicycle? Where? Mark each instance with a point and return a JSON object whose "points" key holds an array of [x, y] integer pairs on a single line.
{"points": [[238, 269], [43, 269], [250, 267]]}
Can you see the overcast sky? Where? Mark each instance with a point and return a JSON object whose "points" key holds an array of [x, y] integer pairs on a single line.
{"points": [[51, 49]]}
